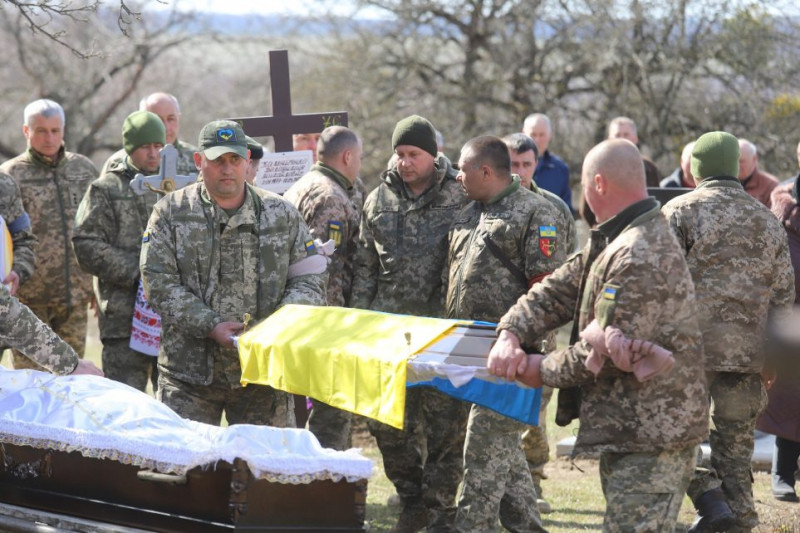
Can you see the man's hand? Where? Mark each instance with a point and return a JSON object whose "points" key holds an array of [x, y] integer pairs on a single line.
{"points": [[532, 376], [507, 358], [86, 368], [224, 332], [12, 280]]}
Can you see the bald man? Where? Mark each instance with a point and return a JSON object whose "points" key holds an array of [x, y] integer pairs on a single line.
{"points": [[756, 182], [169, 111], [631, 276], [681, 176]]}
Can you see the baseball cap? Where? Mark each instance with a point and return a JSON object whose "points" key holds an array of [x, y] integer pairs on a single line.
{"points": [[222, 137]]}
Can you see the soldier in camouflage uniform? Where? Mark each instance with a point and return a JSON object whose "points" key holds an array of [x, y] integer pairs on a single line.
{"points": [[325, 199], [632, 276], [212, 252], [108, 238], [52, 182], [524, 158], [168, 110], [500, 243], [741, 278], [19, 226], [23, 330], [399, 263]]}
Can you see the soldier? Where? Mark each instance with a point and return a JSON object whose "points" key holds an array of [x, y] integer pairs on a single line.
{"points": [[108, 238], [741, 277], [52, 182], [499, 244], [256, 153], [630, 281], [169, 111], [19, 226], [213, 252], [325, 199], [23, 330], [398, 269]]}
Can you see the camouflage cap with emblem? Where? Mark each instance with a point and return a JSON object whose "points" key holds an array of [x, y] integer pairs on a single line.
{"points": [[222, 137]]}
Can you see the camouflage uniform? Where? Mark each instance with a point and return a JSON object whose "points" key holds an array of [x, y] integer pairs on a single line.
{"points": [[20, 328], [741, 277], [480, 287], [186, 164], [632, 275], [19, 226], [398, 269], [107, 240], [58, 292], [331, 207], [202, 266]]}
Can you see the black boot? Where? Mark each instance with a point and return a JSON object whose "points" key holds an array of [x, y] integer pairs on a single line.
{"points": [[784, 464], [713, 513]]}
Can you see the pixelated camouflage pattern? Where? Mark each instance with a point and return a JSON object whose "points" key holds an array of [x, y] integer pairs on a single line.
{"points": [[496, 479], [331, 206], [653, 299], [738, 255], [330, 425], [480, 286], [565, 222], [737, 400], [403, 244], [107, 240], [185, 167], [182, 262], [128, 366], [51, 193], [535, 444], [67, 323], [644, 491], [23, 240], [22, 329]]}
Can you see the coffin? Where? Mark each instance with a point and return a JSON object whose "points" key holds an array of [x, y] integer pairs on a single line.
{"points": [[97, 450]]}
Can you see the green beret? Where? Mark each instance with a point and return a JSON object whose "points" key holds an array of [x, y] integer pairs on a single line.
{"points": [[415, 131], [142, 127], [715, 154]]}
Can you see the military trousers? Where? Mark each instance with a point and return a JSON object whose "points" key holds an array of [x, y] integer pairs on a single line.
{"points": [[330, 425], [535, 444], [644, 491], [254, 404], [497, 482], [128, 366], [69, 323], [737, 400], [425, 460]]}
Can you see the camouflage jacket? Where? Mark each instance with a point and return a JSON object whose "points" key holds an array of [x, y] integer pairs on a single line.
{"points": [[21, 329], [186, 164], [19, 226], [738, 255], [565, 223], [107, 240], [403, 244], [522, 225], [331, 207], [181, 268], [640, 283], [51, 193]]}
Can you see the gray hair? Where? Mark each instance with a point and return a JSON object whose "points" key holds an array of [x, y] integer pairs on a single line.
{"points": [[44, 108], [158, 96], [535, 117]]}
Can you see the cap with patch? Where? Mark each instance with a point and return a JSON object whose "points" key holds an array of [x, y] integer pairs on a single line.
{"points": [[222, 137], [715, 154]]}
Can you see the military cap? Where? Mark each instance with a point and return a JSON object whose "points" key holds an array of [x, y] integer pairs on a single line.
{"points": [[715, 154], [222, 137]]}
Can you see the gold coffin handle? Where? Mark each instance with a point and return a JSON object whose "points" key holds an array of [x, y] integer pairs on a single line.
{"points": [[158, 477]]}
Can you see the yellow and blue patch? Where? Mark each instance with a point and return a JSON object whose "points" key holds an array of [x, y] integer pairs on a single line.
{"points": [[335, 232], [146, 236], [547, 240], [226, 135], [310, 247], [610, 293]]}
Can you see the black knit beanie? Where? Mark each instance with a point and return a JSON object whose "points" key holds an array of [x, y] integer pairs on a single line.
{"points": [[415, 131]]}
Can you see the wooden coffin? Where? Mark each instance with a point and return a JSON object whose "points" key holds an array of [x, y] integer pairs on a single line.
{"points": [[222, 497]]}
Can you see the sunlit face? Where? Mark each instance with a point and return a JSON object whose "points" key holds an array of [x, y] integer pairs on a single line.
{"points": [[523, 164], [224, 176], [623, 130], [306, 141], [414, 164], [471, 176], [147, 157], [167, 111], [540, 133], [252, 170], [589, 190], [353, 166], [748, 159], [45, 135]]}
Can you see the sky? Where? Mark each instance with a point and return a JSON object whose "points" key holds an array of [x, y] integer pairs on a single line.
{"points": [[241, 7]]}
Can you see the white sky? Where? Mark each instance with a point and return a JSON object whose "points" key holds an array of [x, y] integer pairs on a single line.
{"points": [[241, 7]]}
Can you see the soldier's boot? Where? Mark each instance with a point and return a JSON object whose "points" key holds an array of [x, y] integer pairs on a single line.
{"points": [[714, 515], [413, 518], [541, 503], [783, 467]]}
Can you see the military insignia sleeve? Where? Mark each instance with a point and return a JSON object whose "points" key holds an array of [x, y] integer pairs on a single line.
{"points": [[308, 289], [19, 226]]}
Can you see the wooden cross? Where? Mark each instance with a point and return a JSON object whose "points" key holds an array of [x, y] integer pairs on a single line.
{"points": [[282, 124]]}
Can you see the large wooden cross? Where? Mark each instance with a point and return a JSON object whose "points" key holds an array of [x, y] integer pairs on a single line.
{"points": [[282, 124]]}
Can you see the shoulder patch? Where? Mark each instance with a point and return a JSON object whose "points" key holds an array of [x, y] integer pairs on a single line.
{"points": [[335, 232], [610, 292], [310, 246], [547, 240], [146, 236]]}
